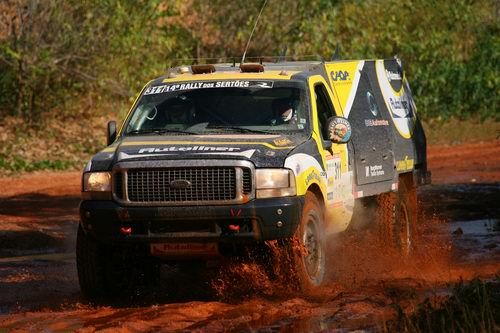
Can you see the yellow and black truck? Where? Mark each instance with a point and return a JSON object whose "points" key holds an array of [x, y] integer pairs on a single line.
{"points": [[218, 157]]}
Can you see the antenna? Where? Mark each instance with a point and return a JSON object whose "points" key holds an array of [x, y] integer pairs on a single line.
{"points": [[251, 34], [282, 57], [336, 55]]}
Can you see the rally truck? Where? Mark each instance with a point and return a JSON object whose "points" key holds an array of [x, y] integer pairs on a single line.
{"points": [[213, 158]]}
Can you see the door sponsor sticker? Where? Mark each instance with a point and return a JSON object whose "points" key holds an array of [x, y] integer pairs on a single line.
{"points": [[374, 171], [376, 122]]}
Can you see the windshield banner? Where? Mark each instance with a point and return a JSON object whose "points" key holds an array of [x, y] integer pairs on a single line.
{"points": [[207, 85]]}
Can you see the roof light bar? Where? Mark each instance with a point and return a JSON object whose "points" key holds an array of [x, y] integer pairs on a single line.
{"points": [[202, 69], [251, 68]]}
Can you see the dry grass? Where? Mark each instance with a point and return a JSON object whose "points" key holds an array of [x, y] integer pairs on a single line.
{"points": [[58, 142], [454, 131]]}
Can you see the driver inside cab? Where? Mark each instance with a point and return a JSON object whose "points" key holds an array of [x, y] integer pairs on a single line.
{"points": [[284, 112]]}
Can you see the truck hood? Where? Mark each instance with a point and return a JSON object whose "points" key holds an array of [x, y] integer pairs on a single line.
{"points": [[262, 150]]}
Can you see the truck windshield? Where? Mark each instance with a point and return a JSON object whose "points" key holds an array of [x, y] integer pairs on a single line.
{"points": [[219, 107]]}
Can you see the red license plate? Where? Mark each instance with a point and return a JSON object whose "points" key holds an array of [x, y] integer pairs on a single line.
{"points": [[184, 249]]}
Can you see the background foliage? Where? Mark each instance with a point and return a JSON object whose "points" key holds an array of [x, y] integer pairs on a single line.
{"points": [[53, 52], [66, 62]]}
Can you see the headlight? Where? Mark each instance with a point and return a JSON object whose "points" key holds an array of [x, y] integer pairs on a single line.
{"points": [[275, 183], [97, 182]]}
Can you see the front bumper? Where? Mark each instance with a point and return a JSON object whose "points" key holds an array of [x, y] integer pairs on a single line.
{"points": [[256, 220]]}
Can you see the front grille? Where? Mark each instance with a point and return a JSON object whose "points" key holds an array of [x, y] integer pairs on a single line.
{"points": [[205, 184], [247, 181], [118, 180]]}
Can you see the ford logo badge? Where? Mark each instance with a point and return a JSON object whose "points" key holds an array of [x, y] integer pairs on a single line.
{"points": [[180, 184]]}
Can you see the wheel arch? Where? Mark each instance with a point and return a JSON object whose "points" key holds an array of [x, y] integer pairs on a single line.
{"points": [[316, 190], [407, 179]]}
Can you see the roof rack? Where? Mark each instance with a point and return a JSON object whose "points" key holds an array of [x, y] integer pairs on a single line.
{"points": [[254, 65]]}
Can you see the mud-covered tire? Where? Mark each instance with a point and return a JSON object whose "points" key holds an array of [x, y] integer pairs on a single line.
{"points": [[306, 250], [397, 218], [90, 267], [110, 272]]}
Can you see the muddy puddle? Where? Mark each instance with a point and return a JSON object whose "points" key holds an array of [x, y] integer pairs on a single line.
{"points": [[42, 292]]}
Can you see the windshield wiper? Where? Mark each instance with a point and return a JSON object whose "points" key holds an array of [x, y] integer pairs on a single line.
{"points": [[159, 131], [239, 129]]}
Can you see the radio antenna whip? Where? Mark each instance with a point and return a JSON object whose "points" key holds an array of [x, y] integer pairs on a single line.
{"points": [[251, 34]]}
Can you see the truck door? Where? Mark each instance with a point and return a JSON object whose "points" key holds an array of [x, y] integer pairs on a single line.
{"points": [[371, 137], [339, 197]]}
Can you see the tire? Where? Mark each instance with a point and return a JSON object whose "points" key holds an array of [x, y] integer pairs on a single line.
{"points": [[306, 250], [90, 267], [110, 272], [397, 218]]}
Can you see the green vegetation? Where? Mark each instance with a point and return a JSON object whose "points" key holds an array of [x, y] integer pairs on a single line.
{"points": [[18, 164], [76, 61], [472, 307]]}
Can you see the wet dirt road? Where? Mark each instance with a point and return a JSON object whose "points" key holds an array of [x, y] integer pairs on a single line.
{"points": [[458, 238]]}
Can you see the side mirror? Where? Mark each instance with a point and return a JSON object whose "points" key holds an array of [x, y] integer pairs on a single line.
{"points": [[111, 132], [339, 129]]}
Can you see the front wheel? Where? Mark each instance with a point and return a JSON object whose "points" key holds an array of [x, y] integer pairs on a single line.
{"points": [[306, 250], [111, 272]]}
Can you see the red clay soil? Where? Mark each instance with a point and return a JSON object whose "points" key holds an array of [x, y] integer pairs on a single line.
{"points": [[465, 163], [43, 295]]}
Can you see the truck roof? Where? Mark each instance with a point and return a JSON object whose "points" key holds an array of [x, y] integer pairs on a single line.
{"points": [[285, 70]]}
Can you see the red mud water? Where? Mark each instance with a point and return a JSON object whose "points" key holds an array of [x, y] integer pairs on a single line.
{"points": [[457, 240]]}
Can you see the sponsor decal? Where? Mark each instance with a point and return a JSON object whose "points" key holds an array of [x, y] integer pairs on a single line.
{"points": [[374, 171], [183, 149], [397, 97], [330, 182], [313, 176], [207, 85], [340, 76], [376, 122], [400, 107], [184, 249], [340, 130], [405, 165], [334, 167], [334, 171], [280, 142], [154, 152], [392, 76], [372, 104]]}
